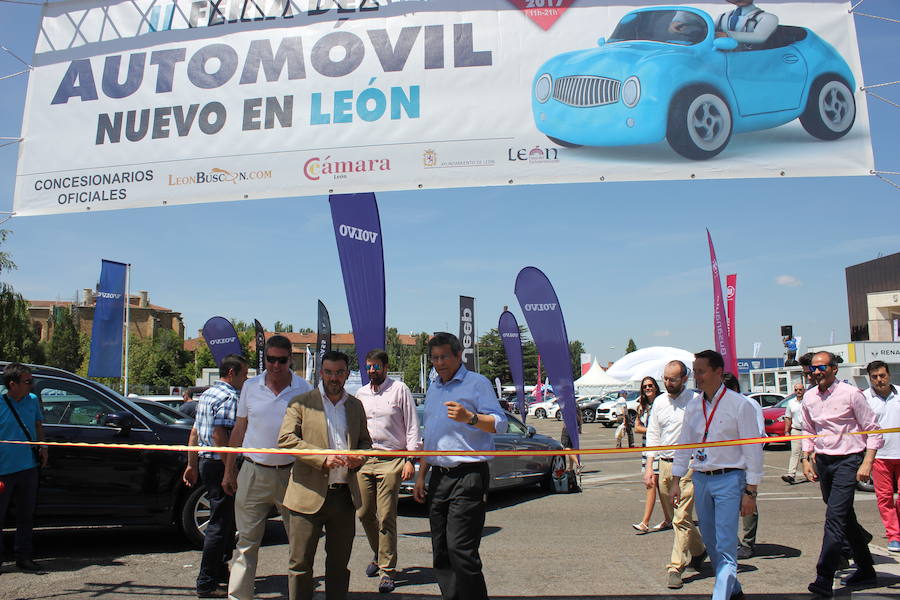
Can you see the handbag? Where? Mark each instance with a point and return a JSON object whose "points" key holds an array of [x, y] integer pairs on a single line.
{"points": [[34, 449]]}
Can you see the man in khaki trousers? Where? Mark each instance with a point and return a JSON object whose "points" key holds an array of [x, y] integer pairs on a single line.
{"points": [[664, 429], [393, 425], [323, 490]]}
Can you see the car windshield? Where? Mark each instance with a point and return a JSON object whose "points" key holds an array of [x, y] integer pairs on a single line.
{"points": [[163, 413], [670, 26]]}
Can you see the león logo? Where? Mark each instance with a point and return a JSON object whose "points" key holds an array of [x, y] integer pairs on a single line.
{"points": [[217, 175]]}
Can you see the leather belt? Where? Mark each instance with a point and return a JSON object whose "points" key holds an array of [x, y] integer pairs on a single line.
{"points": [[337, 486], [277, 467], [460, 469], [720, 471], [666, 459]]}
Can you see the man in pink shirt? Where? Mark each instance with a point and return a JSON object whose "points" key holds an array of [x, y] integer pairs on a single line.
{"points": [[393, 425], [835, 409]]}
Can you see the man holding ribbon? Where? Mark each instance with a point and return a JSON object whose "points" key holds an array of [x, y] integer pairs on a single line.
{"points": [[725, 477]]}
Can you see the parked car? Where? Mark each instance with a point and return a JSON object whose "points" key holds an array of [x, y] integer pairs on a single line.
{"points": [[99, 486], [512, 471], [773, 417], [541, 409], [767, 399], [170, 401], [607, 413], [164, 413], [664, 75]]}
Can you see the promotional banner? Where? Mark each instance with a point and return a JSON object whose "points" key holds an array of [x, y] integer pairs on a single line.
{"points": [[310, 363], [260, 347], [586, 362], [221, 338], [161, 102], [467, 331], [323, 339], [109, 317], [720, 319], [730, 293], [548, 330], [512, 345], [357, 229]]}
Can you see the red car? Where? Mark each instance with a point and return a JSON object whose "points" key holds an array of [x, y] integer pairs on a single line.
{"points": [[773, 417]]}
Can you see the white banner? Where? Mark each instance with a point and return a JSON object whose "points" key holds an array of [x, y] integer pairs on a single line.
{"points": [[145, 102]]}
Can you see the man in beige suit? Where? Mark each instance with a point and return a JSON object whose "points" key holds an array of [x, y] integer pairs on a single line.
{"points": [[323, 490]]}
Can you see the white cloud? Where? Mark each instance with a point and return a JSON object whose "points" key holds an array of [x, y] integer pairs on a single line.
{"points": [[662, 333], [788, 280]]}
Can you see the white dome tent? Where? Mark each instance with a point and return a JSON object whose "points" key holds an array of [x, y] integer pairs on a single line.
{"points": [[595, 381], [648, 362]]}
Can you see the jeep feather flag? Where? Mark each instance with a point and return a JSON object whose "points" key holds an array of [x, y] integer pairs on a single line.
{"points": [[357, 229], [323, 338], [512, 344], [221, 338], [109, 317], [467, 331], [161, 102], [548, 330]]}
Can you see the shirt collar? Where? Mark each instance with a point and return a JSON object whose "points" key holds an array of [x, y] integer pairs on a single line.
{"points": [[384, 385], [225, 385], [458, 376], [718, 391], [325, 397]]}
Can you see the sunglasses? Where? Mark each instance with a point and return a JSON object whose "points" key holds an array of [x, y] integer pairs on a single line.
{"points": [[281, 360], [373, 367], [820, 368]]}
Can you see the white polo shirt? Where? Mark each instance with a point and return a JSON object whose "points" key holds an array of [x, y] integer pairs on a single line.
{"points": [[887, 411], [264, 412]]}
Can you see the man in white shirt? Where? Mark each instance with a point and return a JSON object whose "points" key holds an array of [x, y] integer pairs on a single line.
{"points": [[263, 478], [664, 429], [884, 399], [746, 24], [793, 425], [725, 477]]}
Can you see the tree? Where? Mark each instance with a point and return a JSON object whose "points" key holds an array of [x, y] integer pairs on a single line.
{"points": [[283, 327], [576, 349], [411, 366], [631, 347], [494, 362], [158, 362], [18, 339], [64, 350]]}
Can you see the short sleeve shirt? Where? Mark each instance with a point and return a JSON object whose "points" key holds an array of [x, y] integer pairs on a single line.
{"points": [[18, 457]]}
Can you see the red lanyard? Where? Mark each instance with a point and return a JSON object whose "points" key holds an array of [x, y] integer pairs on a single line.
{"points": [[711, 414]]}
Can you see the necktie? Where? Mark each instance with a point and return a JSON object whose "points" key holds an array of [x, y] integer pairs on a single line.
{"points": [[732, 22]]}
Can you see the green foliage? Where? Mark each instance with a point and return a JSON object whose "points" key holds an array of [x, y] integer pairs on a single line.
{"points": [[159, 362], [283, 327], [631, 347], [64, 349], [576, 349], [18, 339], [494, 362], [410, 367]]}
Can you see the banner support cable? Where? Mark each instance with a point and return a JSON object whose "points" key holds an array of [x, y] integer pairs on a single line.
{"points": [[882, 98], [26, 2], [15, 56], [877, 85], [875, 17], [885, 179], [10, 76], [11, 142]]}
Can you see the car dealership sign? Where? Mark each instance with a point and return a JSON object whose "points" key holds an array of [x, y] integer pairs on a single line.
{"points": [[138, 103]]}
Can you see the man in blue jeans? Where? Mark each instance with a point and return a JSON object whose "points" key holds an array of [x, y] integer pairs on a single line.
{"points": [[216, 413], [20, 419]]}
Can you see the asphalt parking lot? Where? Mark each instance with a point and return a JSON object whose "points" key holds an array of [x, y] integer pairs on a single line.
{"points": [[535, 546]]}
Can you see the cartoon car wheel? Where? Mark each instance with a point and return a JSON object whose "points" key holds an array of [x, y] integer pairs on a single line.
{"points": [[563, 143], [699, 124], [830, 110]]}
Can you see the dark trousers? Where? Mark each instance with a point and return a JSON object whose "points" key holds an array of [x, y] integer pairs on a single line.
{"points": [[21, 490], [456, 511], [837, 479], [218, 542]]}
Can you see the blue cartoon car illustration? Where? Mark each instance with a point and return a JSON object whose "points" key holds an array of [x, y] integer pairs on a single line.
{"points": [[663, 74]]}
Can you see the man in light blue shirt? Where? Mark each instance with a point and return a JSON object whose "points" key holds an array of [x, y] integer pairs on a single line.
{"points": [[461, 413]]}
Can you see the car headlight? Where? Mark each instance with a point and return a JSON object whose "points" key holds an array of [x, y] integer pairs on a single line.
{"points": [[543, 87], [631, 92]]}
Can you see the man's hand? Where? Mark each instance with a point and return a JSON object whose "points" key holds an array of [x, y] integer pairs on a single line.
{"points": [[409, 471], [748, 505], [808, 470], [44, 455], [189, 477], [333, 461], [648, 476], [864, 472], [353, 461], [458, 412], [675, 494], [229, 482], [419, 492]]}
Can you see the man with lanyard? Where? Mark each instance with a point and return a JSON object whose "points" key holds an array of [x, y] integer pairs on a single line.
{"points": [[834, 409], [793, 425], [725, 477], [664, 429], [393, 425], [748, 25], [20, 419], [884, 400], [263, 478], [461, 413], [215, 417]]}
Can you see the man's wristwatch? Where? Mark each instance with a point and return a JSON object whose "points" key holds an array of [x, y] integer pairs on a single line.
{"points": [[751, 493], [410, 459], [474, 419]]}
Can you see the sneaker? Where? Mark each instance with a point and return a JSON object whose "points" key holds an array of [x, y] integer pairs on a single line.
{"points": [[788, 479], [385, 585], [894, 546], [673, 581], [26, 564], [821, 589], [697, 562], [744, 552], [372, 569], [861, 577]]}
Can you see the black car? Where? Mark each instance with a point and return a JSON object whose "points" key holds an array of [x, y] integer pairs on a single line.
{"points": [[99, 486]]}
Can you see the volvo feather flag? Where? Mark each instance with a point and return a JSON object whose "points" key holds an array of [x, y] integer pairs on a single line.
{"points": [[323, 339], [357, 229], [512, 344], [720, 319], [543, 314], [221, 338], [467, 331], [109, 316], [260, 347], [730, 294]]}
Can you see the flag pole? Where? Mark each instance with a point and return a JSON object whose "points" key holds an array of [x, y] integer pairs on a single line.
{"points": [[127, 316]]}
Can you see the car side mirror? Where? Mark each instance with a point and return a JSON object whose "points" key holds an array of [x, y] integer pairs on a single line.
{"points": [[725, 44], [531, 431], [601, 41], [123, 421]]}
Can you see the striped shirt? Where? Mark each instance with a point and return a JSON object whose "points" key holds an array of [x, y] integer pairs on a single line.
{"points": [[217, 407]]}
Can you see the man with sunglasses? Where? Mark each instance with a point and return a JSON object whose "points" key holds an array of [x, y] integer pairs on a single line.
{"points": [[20, 419], [836, 410], [263, 478], [393, 425]]}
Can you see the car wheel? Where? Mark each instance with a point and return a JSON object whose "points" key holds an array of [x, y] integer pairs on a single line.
{"points": [[865, 486], [830, 109], [195, 516], [540, 413], [556, 480], [587, 415], [700, 124], [563, 143], [559, 415]]}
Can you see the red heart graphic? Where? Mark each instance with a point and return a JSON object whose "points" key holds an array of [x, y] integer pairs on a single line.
{"points": [[543, 12]]}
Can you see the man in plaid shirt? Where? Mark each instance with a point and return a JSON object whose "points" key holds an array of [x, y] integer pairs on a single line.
{"points": [[216, 413]]}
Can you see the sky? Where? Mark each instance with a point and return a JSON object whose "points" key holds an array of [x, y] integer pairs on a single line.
{"points": [[628, 260]]}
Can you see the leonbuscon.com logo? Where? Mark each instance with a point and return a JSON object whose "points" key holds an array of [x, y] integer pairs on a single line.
{"points": [[217, 175]]}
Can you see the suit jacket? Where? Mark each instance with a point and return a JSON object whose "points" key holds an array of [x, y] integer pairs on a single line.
{"points": [[304, 427]]}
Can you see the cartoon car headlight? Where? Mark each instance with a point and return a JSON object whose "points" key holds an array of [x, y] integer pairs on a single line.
{"points": [[631, 92], [543, 87]]}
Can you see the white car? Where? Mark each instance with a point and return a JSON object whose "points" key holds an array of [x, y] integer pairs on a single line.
{"points": [[608, 414], [541, 410], [766, 399]]}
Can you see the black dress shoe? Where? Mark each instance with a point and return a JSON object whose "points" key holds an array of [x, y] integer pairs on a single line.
{"points": [[820, 589], [29, 565], [739, 595], [697, 561], [861, 577]]}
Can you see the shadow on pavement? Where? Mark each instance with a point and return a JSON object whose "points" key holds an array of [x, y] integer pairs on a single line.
{"points": [[770, 551]]}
